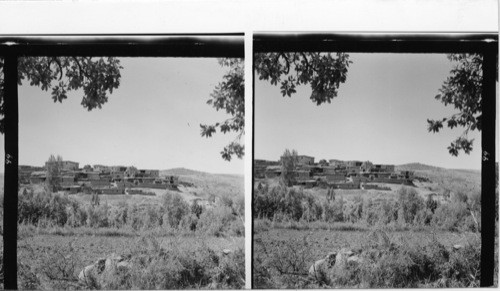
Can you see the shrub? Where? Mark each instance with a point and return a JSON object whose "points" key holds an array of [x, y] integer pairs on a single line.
{"points": [[387, 212], [451, 216], [312, 210], [329, 213], [430, 203], [152, 216], [280, 200], [179, 266], [189, 222], [175, 209], [119, 215], [333, 210], [410, 203], [423, 217], [32, 207], [409, 266], [98, 216], [353, 211], [196, 209], [370, 212], [216, 221], [77, 216], [134, 217], [289, 259]]}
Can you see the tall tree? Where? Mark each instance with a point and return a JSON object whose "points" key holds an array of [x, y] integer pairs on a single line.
{"points": [[54, 171], [98, 77], [289, 161], [229, 95]]}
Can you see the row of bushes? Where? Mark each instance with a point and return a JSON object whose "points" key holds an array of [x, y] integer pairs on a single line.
{"points": [[174, 213], [280, 203]]}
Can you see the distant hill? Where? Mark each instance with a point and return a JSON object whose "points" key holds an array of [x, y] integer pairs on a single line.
{"points": [[417, 167], [464, 180], [207, 183], [189, 172], [182, 172]]}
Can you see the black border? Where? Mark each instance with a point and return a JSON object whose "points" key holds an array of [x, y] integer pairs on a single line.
{"points": [[153, 45], [482, 43]]}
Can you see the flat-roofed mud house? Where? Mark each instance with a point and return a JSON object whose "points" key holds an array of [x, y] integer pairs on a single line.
{"points": [[272, 172], [101, 168], [100, 179], [38, 177], [305, 160], [26, 171], [303, 175], [335, 173], [260, 166]]}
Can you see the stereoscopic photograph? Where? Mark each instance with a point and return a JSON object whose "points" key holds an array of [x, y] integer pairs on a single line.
{"points": [[130, 169], [367, 166]]}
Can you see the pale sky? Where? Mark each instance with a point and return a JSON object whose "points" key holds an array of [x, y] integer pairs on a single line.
{"points": [[380, 115], [151, 121]]}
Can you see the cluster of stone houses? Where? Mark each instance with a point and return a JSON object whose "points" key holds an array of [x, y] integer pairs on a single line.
{"points": [[335, 173], [98, 179]]}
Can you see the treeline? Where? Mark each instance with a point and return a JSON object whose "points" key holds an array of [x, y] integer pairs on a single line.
{"points": [[172, 214], [280, 203]]}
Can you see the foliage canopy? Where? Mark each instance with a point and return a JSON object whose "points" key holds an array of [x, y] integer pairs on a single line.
{"points": [[463, 90], [324, 72], [96, 76], [229, 95]]}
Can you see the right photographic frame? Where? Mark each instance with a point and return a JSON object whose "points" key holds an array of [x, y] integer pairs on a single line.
{"points": [[374, 160]]}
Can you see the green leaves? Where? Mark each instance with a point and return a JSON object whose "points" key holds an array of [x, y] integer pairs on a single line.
{"points": [[207, 130], [96, 76], [323, 71], [234, 148], [461, 143], [463, 90], [288, 87], [435, 125], [229, 95]]}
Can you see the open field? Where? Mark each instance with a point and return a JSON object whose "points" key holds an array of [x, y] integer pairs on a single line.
{"points": [[400, 237], [192, 237], [322, 241], [282, 257], [74, 252]]}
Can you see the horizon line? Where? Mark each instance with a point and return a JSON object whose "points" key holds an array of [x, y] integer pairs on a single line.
{"points": [[164, 169], [474, 169]]}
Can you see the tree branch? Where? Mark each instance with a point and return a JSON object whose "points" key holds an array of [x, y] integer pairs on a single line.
{"points": [[60, 67], [82, 72], [287, 63]]}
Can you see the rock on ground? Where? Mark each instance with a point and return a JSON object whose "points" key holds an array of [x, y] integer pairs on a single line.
{"points": [[93, 276]]}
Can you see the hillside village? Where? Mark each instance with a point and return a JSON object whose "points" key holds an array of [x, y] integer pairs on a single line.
{"points": [[335, 173], [98, 179]]}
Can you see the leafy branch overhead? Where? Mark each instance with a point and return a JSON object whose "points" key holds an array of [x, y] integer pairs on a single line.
{"points": [[323, 71], [96, 76], [229, 95], [463, 90]]}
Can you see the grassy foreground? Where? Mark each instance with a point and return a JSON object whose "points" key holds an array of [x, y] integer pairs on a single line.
{"points": [[401, 239], [167, 244]]}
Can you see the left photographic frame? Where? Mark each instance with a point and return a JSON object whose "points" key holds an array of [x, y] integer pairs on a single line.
{"points": [[116, 161]]}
